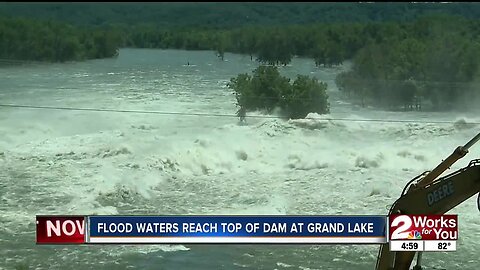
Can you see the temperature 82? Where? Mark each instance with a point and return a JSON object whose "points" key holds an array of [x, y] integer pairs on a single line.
{"points": [[443, 245]]}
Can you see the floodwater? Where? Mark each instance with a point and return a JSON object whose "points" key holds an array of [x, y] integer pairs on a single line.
{"points": [[175, 162]]}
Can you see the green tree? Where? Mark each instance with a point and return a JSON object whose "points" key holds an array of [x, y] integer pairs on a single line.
{"points": [[306, 95], [266, 90], [221, 44]]}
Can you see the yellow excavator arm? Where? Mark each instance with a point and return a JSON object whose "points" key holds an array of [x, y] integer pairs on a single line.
{"points": [[426, 194]]}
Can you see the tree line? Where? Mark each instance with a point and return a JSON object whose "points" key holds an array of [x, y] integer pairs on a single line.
{"points": [[26, 39], [432, 60], [229, 15], [429, 63]]}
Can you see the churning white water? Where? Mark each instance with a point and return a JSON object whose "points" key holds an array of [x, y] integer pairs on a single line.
{"points": [[84, 162]]}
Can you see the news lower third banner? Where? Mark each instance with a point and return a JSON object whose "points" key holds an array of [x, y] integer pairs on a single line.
{"points": [[212, 229]]}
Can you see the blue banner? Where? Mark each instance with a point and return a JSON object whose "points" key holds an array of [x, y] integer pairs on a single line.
{"points": [[238, 226]]}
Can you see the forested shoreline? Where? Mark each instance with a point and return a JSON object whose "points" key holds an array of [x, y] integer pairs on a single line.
{"points": [[430, 61], [26, 39]]}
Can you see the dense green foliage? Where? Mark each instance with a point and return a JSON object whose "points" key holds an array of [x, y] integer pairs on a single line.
{"points": [[432, 61], [327, 44], [400, 60], [267, 90], [228, 15], [23, 39]]}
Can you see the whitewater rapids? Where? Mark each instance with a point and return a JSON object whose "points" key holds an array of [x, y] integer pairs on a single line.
{"points": [[80, 162]]}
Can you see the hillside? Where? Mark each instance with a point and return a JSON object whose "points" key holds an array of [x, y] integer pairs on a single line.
{"points": [[227, 15]]}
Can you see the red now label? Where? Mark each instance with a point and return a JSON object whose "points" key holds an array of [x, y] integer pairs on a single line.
{"points": [[423, 227], [60, 229]]}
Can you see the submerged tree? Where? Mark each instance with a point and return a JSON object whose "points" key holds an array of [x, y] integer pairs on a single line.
{"points": [[433, 61], [304, 96], [267, 90]]}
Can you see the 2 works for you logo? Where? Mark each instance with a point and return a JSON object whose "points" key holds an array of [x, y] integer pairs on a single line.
{"points": [[423, 227]]}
